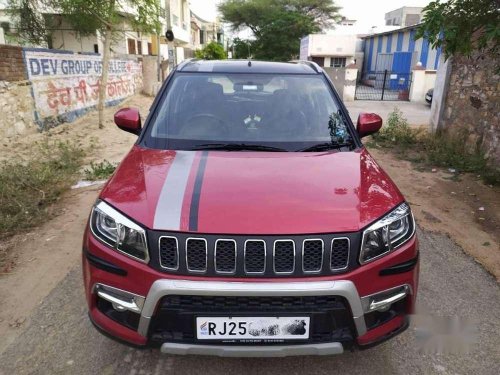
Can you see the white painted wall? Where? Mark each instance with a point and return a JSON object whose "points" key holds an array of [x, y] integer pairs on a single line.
{"points": [[423, 80], [430, 80], [440, 90], [332, 45], [394, 42], [65, 39]]}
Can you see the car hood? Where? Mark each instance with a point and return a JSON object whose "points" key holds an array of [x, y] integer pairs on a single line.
{"points": [[251, 192]]}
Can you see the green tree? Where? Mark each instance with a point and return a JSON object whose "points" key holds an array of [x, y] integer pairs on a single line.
{"points": [[86, 17], [460, 26], [212, 51], [278, 25], [242, 49]]}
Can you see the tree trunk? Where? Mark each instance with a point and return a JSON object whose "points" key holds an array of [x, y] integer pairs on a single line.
{"points": [[104, 75]]}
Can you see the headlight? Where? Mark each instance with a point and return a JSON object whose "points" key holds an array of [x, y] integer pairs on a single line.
{"points": [[387, 234], [119, 232]]}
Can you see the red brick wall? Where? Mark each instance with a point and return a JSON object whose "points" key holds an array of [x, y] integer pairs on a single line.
{"points": [[11, 63]]}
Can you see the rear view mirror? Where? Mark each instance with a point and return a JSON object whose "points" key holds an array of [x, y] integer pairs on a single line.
{"points": [[129, 119], [368, 123]]}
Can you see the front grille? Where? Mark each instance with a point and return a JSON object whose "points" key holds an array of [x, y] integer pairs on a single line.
{"points": [[251, 303], [240, 256]]}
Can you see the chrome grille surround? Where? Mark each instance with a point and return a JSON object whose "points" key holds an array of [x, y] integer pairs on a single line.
{"points": [[199, 255], [322, 256], [286, 259], [337, 240], [165, 254], [246, 268], [219, 269]]}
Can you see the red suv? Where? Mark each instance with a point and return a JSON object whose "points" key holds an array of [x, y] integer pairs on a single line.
{"points": [[249, 220]]}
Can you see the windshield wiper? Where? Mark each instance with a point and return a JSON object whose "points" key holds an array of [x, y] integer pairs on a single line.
{"points": [[326, 146], [237, 147]]}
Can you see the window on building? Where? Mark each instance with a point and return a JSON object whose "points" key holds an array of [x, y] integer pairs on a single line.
{"points": [[96, 48], [131, 46], [337, 62], [202, 36], [150, 48], [139, 47], [319, 60], [412, 19]]}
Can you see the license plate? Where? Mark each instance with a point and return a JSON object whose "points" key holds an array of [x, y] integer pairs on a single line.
{"points": [[252, 328]]}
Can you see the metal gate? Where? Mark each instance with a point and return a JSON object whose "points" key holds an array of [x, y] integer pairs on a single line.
{"points": [[386, 85]]}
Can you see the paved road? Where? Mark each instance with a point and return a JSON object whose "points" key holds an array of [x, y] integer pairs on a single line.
{"points": [[417, 114], [62, 341]]}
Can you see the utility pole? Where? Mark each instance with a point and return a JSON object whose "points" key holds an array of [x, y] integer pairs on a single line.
{"points": [[159, 29], [170, 45]]}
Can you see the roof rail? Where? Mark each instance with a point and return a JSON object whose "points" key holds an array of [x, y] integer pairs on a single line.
{"points": [[311, 64], [183, 63]]}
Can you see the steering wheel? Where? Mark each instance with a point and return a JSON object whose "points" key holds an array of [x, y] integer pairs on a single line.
{"points": [[203, 125]]}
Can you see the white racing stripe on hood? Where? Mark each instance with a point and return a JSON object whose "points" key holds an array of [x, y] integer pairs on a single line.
{"points": [[169, 206]]}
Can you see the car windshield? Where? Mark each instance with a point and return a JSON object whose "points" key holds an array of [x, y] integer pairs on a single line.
{"points": [[247, 111]]}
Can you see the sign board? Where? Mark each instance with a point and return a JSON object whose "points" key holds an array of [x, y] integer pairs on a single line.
{"points": [[65, 85], [304, 48]]}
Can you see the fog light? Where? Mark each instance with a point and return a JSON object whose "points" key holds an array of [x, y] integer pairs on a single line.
{"points": [[121, 300], [382, 301]]}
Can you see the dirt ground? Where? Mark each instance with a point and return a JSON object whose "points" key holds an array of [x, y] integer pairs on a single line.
{"points": [[463, 208], [466, 210], [40, 259]]}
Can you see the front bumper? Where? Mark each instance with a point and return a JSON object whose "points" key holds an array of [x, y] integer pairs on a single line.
{"points": [[137, 289]]}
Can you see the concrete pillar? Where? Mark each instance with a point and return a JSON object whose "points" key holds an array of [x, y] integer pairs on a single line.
{"points": [[417, 90], [150, 75], [440, 91], [351, 74]]}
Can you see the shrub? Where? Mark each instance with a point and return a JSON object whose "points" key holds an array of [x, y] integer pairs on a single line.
{"points": [[29, 187], [397, 131], [99, 171], [445, 149], [212, 51]]}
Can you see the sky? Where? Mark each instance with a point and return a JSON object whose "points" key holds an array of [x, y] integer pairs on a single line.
{"points": [[368, 13]]}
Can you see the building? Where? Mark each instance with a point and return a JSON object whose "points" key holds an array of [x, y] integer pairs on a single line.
{"points": [[174, 14], [335, 51], [398, 51], [403, 17], [335, 48], [179, 22], [204, 32], [61, 36], [346, 22]]}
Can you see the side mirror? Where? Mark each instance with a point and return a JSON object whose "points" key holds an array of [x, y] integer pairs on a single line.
{"points": [[368, 123], [129, 119]]}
